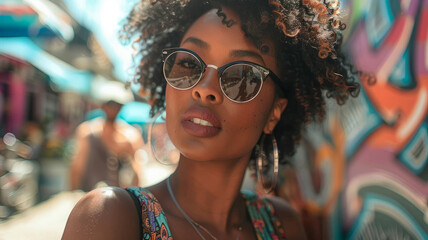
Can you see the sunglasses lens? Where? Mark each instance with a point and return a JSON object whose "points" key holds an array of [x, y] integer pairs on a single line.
{"points": [[241, 82], [182, 70]]}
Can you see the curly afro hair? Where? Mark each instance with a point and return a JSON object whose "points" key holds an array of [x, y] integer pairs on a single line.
{"points": [[307, 37]]}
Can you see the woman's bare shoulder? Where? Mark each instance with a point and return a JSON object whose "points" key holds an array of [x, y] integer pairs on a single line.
{"points": [[289, 218], [104, 213]]}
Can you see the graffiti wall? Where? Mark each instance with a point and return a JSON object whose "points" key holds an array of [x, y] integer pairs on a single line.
{"points": [[363, 173]]}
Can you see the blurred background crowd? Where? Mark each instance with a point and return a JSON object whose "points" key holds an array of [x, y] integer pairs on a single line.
{"points": [[361, 174]]}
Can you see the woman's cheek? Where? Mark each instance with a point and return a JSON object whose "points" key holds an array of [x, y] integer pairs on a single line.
{"points": [[172, 116], [251, 121], [259, 115]]}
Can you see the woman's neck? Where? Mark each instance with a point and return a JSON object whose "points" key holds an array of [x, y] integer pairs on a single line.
{"points": [[209, 192]]}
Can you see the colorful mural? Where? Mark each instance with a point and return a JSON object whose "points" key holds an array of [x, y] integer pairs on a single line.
{"points": [[363, 173]]}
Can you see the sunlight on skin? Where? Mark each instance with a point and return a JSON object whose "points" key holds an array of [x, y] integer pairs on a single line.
{"points": [[108, 192]]}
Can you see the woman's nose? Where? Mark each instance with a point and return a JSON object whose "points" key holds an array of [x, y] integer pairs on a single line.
{"points": [[208, 89]]}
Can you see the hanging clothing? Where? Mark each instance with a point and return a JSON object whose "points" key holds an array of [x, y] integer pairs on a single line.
{"points": [[154, 224]]}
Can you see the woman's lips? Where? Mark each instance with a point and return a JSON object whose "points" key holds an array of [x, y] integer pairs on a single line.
{"points": [[200, 122]]}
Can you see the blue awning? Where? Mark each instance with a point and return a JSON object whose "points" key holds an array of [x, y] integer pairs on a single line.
{"points": [[65, 76], [135, 113], [18, 26], [34, 18], [132, 113]]}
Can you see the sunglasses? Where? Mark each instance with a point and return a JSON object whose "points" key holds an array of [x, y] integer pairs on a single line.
{"points": [[240, 81]]}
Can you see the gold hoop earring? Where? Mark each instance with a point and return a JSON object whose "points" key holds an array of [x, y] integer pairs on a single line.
{"points": [[260, 159]]}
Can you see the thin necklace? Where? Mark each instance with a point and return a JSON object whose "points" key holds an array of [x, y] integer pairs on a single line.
{"points": [[192, 222]]}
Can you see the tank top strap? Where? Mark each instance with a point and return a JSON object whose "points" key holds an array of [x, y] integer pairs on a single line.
{"points": [[153, 219], [262, 214]]}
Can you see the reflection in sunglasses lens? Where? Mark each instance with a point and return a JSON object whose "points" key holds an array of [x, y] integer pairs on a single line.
{"points": [[182, 70], [241, 82]]}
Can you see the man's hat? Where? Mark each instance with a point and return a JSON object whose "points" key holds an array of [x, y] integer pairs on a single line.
{"points": [[105, 90]]}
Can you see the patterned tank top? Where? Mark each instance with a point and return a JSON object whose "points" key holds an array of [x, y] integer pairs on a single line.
{"points": [[154, 224]]}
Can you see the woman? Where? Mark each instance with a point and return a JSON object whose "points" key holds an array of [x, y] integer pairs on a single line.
{"points": [[231, 75]]}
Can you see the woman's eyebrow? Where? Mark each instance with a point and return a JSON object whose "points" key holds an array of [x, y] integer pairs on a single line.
{"points": [[198, 42], [246, 53], [235, 53]]}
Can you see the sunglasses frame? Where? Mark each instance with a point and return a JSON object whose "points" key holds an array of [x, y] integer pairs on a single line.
{"points": [[265, 72]]}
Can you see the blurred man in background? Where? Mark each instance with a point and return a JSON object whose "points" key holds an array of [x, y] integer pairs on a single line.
{"points": [[105, 152]]}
